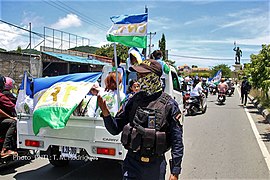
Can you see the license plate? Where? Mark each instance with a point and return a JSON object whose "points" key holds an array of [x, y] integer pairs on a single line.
{"points": [[69, 152]]}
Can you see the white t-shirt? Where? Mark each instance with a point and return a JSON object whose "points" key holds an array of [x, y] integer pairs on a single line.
{"points": [[197, 90]]}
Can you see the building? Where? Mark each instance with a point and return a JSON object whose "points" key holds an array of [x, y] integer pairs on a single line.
{"points": [[51, 62]]}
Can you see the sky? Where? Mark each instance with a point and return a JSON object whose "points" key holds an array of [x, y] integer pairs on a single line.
{"points": [[198, 33]]}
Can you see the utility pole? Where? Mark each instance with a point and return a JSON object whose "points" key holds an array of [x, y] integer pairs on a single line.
{"points": [[151, 35], [30, 40], [145, 49]]}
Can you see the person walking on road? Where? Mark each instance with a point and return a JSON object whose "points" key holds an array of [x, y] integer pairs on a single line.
{"points": [[245, 88], [150, 122]]}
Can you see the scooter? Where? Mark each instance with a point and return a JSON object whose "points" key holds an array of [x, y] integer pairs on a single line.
{"points": [[205, 91], [221, 97], [193, 105], [230, 91]]}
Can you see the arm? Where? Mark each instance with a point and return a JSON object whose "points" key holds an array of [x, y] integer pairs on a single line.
{"points": [[176, 140], [113, 124], [3, 114]]}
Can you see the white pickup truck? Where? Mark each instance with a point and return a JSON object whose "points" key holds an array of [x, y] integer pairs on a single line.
{"points": [[83, 138]]}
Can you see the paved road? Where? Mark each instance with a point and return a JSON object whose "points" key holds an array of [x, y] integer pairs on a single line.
{"points": [[219, 144]]}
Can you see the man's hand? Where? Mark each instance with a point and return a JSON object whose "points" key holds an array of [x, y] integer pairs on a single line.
{"points": [[103, 106], [173, 177], [13, 118]]}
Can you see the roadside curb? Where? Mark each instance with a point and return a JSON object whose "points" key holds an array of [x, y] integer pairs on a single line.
{"points": [[264, 112]]}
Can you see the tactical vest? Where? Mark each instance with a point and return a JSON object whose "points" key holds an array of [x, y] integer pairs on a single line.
{"points": [[147, 131]]}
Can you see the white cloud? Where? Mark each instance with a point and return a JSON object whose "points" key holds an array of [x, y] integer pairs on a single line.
{"points": [[198, 20], [12, 37], [36, 21], [71, 20]]}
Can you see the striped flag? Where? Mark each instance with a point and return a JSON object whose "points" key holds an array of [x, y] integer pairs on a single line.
{"points": [[57, 97], [129, 30]]}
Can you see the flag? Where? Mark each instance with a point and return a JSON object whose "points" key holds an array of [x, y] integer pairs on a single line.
{"points": [[129, 30], [55, 98], [24, 103], [216, 79]]}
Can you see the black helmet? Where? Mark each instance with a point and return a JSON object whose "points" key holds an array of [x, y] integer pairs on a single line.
{"points": [[2, 82]]}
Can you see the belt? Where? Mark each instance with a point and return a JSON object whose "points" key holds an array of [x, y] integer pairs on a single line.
{"points": [[141, 158]]}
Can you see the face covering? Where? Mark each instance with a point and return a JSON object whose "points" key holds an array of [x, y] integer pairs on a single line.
{"points": [[150, 83]]}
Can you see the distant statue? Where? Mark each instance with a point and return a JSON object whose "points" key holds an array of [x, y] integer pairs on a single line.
{"points": [[238, 54]]}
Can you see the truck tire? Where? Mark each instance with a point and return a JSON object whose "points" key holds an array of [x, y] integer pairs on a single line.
{"points": [[54, 157]]}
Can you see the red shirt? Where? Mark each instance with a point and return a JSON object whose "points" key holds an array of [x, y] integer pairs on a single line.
{"points": [[7, 105]]}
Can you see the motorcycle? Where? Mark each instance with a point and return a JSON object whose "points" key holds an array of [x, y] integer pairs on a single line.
{"points": [[186, 96], [193, 105], [221, 97], [230, 91], [213, 89], [205, 91], [21, 152]]}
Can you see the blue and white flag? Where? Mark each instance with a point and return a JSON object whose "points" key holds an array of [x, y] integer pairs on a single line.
{"points": [[216, 78], [129, 30]]}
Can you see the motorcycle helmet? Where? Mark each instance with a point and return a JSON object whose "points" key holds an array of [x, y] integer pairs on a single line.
{"points": [[9, 83], [2, 82], [203, 79]]}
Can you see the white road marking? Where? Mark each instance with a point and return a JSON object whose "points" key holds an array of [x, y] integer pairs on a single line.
{"points": [[262, 146]]}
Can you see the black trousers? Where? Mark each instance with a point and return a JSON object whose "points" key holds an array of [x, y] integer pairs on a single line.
{"points": [[135, 169], [8, 127], [244, 97]]}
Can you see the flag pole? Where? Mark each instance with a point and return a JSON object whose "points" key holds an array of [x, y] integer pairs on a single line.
{"points": [[117, 81]]}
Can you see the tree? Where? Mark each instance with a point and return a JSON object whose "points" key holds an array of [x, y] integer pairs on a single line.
{"points": [[259, 69], [162, 46], [2, 50], [226, 71], [108, 50], [19, 49]]}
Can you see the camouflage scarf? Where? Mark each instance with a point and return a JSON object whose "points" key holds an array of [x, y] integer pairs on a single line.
{"points": [[150, 83]]}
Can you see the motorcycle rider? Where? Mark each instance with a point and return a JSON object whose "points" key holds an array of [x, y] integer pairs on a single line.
{"points": [[230, 85], [205, 86], [222, 86], [197, 91], [7, 121]]}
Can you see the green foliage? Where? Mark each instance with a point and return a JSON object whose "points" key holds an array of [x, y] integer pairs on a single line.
{"points": [[200, 74], [259, 70], [162, 46], [19, 49], [2, 50], [226, 71], [87, 49], [108, 50], [25, 51]]}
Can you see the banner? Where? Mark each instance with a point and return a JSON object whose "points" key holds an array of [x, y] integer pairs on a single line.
{"points": [[55, 98], [129, 30]]}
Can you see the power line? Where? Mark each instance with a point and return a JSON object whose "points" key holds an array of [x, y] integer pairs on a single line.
{"points": [[206, 58], [54, 4], [38, 34], [104, 26]]}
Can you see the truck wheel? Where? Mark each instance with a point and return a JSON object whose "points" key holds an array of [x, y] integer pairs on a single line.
{"points": [[55, 158]]}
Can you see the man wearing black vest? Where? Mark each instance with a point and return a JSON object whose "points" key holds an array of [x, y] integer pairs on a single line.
{"points": [[150, 126]]}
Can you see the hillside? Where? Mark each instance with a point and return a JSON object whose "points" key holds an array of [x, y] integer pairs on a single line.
{"points": [[87, 49]]}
